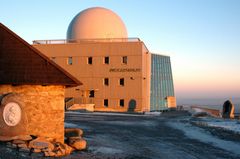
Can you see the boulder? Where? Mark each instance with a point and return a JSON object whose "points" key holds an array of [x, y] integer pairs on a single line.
{"points": [[59, 149], [41, 143], [59, 153], [80, 144], [18, 142], [22, 145], [62, 149], [49, 154], [6, 138], [71, 140], [23, 137], [73, 132], [37, 150], [68, 149], [228, 109], [19, 137]]}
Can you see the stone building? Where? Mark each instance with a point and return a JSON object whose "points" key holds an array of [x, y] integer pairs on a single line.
{"points": [[32, 90]]}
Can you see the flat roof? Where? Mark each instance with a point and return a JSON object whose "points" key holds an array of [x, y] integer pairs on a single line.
{"points": [[65, 41]]}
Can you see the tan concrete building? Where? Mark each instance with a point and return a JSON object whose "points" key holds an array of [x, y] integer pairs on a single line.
{"points": [[118, 73]]}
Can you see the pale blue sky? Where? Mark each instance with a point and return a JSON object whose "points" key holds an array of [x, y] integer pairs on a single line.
{"points": [[201, 36]]}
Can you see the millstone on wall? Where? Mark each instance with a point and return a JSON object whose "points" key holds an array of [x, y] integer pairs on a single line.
{"points": [[32, 110]]}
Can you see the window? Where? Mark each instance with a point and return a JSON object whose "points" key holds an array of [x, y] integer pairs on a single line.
{"points": [[91, 93], [70, 61], [106, 81], [105, 102], [90, 60], [124, 59], [121, 81], [121, 102], [106, 60]]}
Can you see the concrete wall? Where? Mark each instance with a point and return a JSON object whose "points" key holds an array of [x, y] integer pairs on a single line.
{"points": [[146, 75], [42, 111], [137, 83], [171, 102]]}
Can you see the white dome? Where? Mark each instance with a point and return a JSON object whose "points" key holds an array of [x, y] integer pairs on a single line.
{"points": [[94, 23]]}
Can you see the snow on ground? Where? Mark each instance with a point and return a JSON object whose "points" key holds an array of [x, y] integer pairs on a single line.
{"points": [[226, 124], [132, 123], [70, 125], [203, 136], [80, 126], [199, 111], [108, 150], [101, 113], [153, 113], [114, 114], [196, 110]]}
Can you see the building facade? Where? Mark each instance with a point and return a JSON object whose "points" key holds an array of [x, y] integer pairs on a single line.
{"points": [[118, 73]]}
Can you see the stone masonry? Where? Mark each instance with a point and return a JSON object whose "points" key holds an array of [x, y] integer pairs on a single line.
{"points": [[42, 111]]}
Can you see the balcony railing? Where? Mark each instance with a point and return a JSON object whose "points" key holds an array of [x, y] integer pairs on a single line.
{"points": [[73, 101], [64, 41]]}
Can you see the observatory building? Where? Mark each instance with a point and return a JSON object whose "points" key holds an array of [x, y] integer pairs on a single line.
{"points": [[118, 73]]}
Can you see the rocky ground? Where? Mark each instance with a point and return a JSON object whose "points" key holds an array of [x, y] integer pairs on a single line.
{"points": [[170, 135]]}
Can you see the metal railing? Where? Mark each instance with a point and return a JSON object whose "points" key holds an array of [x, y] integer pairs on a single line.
{"points": [[64, 41], [69, 103], [73, 101], [84, 100]]}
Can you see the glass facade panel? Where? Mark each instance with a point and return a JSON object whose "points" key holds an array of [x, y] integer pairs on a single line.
{"points": [[161, 82]]}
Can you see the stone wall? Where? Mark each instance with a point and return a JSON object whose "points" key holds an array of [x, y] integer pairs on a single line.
{"points": [[42, 110]]}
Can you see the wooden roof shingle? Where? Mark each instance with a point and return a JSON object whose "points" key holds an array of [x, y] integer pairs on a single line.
{"points": [[21, 63]]}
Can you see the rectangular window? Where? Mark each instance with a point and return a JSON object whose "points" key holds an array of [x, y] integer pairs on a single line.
{"points": [[121, 102], [90, 60], [124, 59], [70, 61], [106, 81], [105, 102], [106, 60], [121, 81], [91, 94]]}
